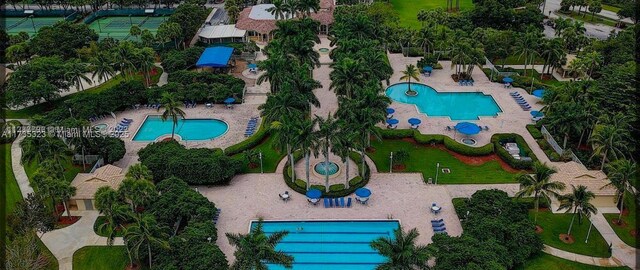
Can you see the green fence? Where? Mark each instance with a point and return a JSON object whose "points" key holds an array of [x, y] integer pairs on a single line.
{"points": [[126, 12]]}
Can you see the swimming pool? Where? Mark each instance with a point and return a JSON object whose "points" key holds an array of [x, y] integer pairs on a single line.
{"points": [[455, 105], [188, 129], [331, 244]]}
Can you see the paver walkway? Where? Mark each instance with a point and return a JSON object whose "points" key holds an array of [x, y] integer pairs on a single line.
{"points": [[619, 249], [18, 169]]}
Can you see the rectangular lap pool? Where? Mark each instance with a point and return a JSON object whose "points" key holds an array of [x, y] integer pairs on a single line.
{"points": [[331, 244]]}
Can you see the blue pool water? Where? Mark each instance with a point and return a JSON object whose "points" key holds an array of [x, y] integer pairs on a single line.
{"points": [[456, 105], [188, 129], [317, 245]]}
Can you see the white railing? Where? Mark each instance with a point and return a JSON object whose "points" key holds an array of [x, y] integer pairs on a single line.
{"points": [[556, 147]]}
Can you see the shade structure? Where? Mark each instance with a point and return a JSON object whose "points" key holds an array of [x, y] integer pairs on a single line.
{"points": [[507, 80], [229, 100], [363, 192], [468, 128], [536, 114], [427, 68], [216, 57], [538, 93], [392, 121], [390, 110], [314, 194], [414, 121], [252, 66]]}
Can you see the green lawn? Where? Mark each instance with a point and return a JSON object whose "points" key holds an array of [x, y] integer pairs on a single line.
{"points": [[10, 188], [270, 157], [423, 159], [100, 258], [624, 232], [99, 221], [587, 18], [556, 224], [408, 10], [610, 8], [547, 262], [515, 60], [70, 170], [553, 81]]}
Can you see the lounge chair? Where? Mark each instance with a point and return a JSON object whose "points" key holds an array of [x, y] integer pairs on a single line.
{"points": [[342, 202], [337, 202], [471, 82], [440, 228], [326, 203], [437, 220], [330, 202], [442, 232], [486, 128], [449, 128], [349, 202]]}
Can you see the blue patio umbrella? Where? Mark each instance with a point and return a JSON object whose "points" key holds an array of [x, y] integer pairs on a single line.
{"points": [[392, 121], [507, 80], [252, 66], [467, 128], [390, 110], [538, 93], [363, 192], [537, 113], [427, 68], [229, 100], [414, 121], [314, 194]]}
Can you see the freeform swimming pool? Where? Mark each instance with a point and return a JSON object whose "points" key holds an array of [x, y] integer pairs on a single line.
{"points": [[456, 105], [317, 245], [188, 129]]}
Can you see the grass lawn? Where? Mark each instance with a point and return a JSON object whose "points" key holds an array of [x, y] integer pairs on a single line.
{"points": [[553, 81], [70, 170], [99, 221], [547, 262], [423, 159], [10, 188], [556, 224], [270, 157], [629, 224], [516, 60], [44, 107], [408, 10], [587, 18], [100, 258], [610, 8]]}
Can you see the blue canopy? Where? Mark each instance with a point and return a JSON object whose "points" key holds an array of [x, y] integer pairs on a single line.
{"points": [[538, 93], [507, 80], [392, 121], [252, 66], [230, 100], [215, 57], [314, 194], [363, 192], [427, 68], [414, 121], [468, 128], [536, 113], [390, 110]]}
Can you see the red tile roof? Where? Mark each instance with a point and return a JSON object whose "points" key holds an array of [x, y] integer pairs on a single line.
{"points": [[324, 16]]}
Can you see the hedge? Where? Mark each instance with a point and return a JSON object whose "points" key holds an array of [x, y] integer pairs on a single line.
{"points": [[534, 131], [467, 150], [251, 142], [499, 139]]}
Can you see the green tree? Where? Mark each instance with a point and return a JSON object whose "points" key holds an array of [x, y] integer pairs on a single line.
{"points": [[402, 251], [285, 138], [256, 249], [539, 185], [341, 146], [76, 75], [135, 31], [621, 172], [278, 10], [116, 213], [408, 73], [610, 139], [347, 74], [146, 232], [578, 202], [102, 67], [138, 193], [308, 143], [38, 149], [139, 172], [326, 133], [171, 110]]}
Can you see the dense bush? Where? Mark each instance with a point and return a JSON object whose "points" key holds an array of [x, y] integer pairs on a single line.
{"points": [[428, 60], [428, 138], [468, 150], [7, 134], [534, 131], [110, 148], [175, 60], [249, 143], [500, 139], [199, 166], [205, 86]]}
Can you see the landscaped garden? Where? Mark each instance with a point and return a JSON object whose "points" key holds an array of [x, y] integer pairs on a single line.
{"points": [[11, 188], [627, 229], [548, 262], [100, 258], [407, 10]]}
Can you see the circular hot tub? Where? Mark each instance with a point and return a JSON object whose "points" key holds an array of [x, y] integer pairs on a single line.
{"points": [[323, 168], [323, 50], [468, 141]]}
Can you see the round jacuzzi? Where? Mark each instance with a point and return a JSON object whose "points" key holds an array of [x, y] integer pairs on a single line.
{"points": [[100, 128], [323, 50], [323, 168], [468, 141]]}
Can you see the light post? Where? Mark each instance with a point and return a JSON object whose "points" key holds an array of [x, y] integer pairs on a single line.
{"points": [[437, 169], [588, 232], [260, 155], [391, 162], [209, 239], [70, 112]]}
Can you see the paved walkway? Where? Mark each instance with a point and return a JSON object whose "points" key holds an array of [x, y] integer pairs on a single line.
{"points": [[620, 250], [18, 169]]}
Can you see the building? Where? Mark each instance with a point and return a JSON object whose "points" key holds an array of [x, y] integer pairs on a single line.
{"points": [[572, 173], [260, 23], [87, 184], [221, 34]]}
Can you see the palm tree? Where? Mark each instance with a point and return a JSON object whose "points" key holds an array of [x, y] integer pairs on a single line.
{"points": [[307, 6], [285, 138], [609, 140], [139, 171], [591, 61], [108, 202], [347, 74], [146, 231], [552, 53], [137, 193], [38, 149], [283, 105], [402, 251], [341, 146], [307, 141], [275, 71], [290, 8], [326, 134], [410, 72], [256, 249], [135, 31], [621, 172], [102, 67], [539, 184], [60, 189], [145, 62], [578, 202], [526, 47], [279, 9], [76, 75], [171, 110]]}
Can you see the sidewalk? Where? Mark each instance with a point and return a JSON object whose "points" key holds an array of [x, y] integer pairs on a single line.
{"points": [[620, 250], [18, 169]]}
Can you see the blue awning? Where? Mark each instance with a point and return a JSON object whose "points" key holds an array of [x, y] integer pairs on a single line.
{"points": [[507, 80], [216, 57], [468, 128], [363, 192], [230, 100], [414, 121], [390, 110], [427, 68], [392, 121], [314, 194], [538, 93]]}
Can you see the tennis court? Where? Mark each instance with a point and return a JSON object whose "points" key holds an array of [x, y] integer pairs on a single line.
{"points": [[118, 27], [31, 25]]}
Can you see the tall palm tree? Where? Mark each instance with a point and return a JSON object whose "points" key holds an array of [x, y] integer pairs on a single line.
{"points": [[108, 202], [279, 9], [145, 62], [146, 232], [283, 105], [171, 110], [61, 190], [526, 47], [76, 75], [275, 71], [326, 134], [290, 8], [137, 193], [591, 61], [102, 67], [139, 171], [285, 138], [552, 52], [341, 146], [578, 202], [402, 251], [256, 249], [539, 184], [609, 140], [410, 72], [307, 141], [307, 6], [621, 172], [347, 74], [39, 149]]}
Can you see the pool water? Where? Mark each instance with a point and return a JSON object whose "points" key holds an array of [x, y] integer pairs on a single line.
{"points": [[317, 245], [188, 129], [456, 105]]}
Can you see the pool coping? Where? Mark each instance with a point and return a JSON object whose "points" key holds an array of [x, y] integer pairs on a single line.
{"points": [[324, 220], [156, 139], [479, 118]]}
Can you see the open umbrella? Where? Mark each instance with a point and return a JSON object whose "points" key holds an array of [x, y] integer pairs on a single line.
{"points": [[507, 80], [314, 194], [427, 68], [414, 121], [252, 66], [390, 110], [538, 93], [537, 114], [229, 100], [392, 121], [363, 192], [467, 128]]}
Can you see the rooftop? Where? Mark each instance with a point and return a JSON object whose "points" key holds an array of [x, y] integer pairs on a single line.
{"points": [[221, 31], [87, 184]]}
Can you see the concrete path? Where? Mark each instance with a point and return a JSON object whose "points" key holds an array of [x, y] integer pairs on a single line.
{"points": [[163, 77], [18, 169], [606, 262], [620, 250]]}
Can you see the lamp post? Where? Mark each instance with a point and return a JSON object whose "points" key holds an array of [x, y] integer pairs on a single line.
{"points": [[437, 169], [588, 232], [70, 112], [391, 162], [209, 239], [260, 155]]}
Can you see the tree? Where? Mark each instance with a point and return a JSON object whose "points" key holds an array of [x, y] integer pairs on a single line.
{"points": [[170, 31], [401, 251], [138, 193], [38, 149], [102, 67], [526, 47], [621, 172], [610, 139], [31, 214], [24, 253], [539, 184], [62, 39], [256, 249], [276, 69], [116, 213], [347, 74], [308, 143], [76, 75], [135, 31], [61, 190], [139, 172], [171, 110], [307, 6], [595, 6], [285, 138], [146, 232], [578, 202], [341, 146], [326, 133], [410, 72], [278, 10]]}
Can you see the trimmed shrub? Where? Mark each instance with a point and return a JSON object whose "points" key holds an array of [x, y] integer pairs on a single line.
{"points": [[500, 139], [396, 133], [468, 150], [336, 187], [356, 180], [251, 142], [300, 183], [534, 131], [428, 138], [544, 145]]}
